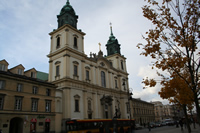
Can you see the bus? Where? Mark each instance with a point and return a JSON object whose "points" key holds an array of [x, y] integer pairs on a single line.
{"points": [[94, 125]]}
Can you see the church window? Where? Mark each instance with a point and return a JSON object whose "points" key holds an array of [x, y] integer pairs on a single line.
{"points": [[122, 66], [58, 43], [58, 70], [103, 79], [116, 83], [76, 105], [87, 75], [75, 70], [75, 42]]}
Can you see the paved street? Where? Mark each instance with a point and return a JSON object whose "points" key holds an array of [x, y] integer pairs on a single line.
{"points": [[169, 129]]}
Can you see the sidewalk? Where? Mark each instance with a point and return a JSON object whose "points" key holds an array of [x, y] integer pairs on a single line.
{"points": [[178, 130]]}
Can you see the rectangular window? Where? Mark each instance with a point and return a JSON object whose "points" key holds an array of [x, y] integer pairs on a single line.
{"points": [[57, 70], [122, 66], [19, 87], [35, 90], [34, 105], [103, 79], [48, 106], [115, 83], [1, 102], [18, 103], [87, 75], [32, 75], [19, 71], [75, 70], [48, 92], [2, 84], [76, 105], [2, 67]]}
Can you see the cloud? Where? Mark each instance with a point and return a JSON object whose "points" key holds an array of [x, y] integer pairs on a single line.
{"points": [[25, 25]]}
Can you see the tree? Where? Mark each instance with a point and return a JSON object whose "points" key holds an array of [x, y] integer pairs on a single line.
{"points": [[173, 44]]}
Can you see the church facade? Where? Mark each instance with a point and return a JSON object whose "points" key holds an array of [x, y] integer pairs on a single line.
{"points": [[94, 87]]}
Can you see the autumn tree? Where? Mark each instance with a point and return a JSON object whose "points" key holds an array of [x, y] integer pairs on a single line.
{"points": [[173, 44]]}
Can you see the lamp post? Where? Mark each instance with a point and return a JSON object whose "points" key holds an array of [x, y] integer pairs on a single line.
{"points": [[129, 94], [129, 103]]}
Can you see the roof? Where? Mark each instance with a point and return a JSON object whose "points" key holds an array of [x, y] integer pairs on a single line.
{"points": [[42, 76]]}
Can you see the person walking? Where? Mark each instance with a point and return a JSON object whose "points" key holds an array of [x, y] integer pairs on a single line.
{"points": [[149, 127], [181, 124]]}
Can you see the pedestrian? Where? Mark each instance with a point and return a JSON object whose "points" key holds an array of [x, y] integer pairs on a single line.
{"points": [[149, 127], [121, 130], [181, 124], [101, 129]]}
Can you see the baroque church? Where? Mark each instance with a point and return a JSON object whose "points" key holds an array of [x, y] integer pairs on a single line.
{"points": [[93, 87]]}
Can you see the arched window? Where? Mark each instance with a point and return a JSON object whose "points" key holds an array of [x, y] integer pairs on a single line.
{"points": [[103, 79], [58, 43], [75, 42]]}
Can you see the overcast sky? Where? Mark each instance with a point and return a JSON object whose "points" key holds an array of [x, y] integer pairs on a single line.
{"points": [[25, 25]]}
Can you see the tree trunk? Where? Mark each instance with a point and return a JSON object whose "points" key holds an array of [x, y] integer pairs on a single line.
{"points": [[186, 118], [197, 107]]}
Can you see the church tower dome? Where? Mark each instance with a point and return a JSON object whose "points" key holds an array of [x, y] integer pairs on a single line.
{"points": [[67, 16], [112, 45]]}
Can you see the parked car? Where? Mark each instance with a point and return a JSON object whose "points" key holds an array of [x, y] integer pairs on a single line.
{"points": [[138, 126], [163, 123], [158, 124], [152, 124]]}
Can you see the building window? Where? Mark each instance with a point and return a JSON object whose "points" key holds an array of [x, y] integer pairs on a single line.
{"points": [[18, 103], [2, 84], [34, 105], [19, 87], [1, 102], [75, 43], [76, 105], [122, 66], [35, 90], [116, 83], [48, 92], [19, 71], [2, 67], [75, 70], [87, 75], [58, 70], [48, 106], [32, 75], [58, 43], [103, 79]]}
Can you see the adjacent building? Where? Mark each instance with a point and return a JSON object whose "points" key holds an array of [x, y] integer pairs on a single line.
{"points": [[27, 103], [163, 112], [142, 111]]}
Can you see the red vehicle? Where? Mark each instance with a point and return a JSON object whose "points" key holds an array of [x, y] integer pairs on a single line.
{"points": [[94, 125]]}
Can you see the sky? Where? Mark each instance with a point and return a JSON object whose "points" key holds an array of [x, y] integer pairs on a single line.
{"points": [[25, 25]]}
